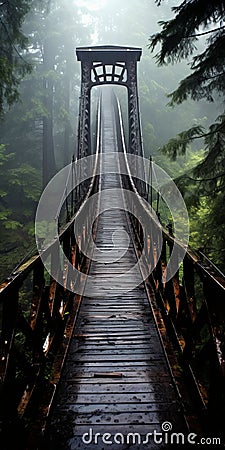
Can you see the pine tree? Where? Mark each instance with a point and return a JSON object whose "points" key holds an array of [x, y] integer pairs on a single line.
{"points": [[41, 122], [12, 51], [178, 39], [197, 33]]}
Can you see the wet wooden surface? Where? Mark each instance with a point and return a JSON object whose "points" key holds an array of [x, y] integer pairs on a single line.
{"points": [[116, 379]]}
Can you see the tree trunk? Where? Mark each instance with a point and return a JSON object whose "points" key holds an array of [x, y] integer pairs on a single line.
{"points": [[49, 165]]}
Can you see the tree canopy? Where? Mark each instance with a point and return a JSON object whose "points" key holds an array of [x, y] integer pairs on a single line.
{"points": [[178, 38], [13, 65], [38, 133]]}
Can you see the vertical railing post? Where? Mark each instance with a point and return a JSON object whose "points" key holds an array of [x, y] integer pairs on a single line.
{"points": [[149, 189], [160, 266], [35, 319], [189, 288], [169, 285]]}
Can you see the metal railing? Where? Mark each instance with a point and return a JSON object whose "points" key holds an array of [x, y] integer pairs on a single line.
{"points": [[36, 320], [191, 303]]}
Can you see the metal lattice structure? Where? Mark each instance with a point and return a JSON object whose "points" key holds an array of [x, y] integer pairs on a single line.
{"points": [[109, 65]]}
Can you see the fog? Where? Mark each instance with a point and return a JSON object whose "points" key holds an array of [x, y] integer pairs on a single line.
{"points": [[49, 100], [130, 23]]}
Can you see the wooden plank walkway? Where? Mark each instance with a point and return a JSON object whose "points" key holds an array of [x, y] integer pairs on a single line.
{"points": [[116, 378]]}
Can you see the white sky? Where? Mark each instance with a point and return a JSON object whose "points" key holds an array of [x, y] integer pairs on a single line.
{"points": [[90, 4]]}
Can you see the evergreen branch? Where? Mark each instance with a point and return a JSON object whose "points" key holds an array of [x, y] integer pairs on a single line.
{"points": [[177, 35], [13, 45], [213, 76], [207, 66], [205, 135], [204, 33], [202, 179], [178, 145]]}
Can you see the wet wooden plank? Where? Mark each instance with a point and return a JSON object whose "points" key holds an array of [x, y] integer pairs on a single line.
{"points": [[115, 352], [111, 357], [99, 385], [117, 398], [139, 418]]}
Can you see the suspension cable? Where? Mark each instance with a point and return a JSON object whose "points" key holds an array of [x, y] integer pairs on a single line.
{"points": [[64, 195]]}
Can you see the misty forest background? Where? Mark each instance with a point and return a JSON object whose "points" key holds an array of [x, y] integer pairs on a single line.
{"points": [[40, 111]]}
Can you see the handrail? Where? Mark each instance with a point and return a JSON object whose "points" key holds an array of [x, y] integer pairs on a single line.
{"points": [[191, 303], [36, 317]]}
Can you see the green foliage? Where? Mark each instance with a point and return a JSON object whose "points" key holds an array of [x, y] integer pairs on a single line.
{"points": [[178, 39], [178, 145], [20, 190], [28, 179]]}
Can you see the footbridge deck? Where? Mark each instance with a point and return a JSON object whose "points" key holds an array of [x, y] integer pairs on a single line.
{"points": [[116, 378]]}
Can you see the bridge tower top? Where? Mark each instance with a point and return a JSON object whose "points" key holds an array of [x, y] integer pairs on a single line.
{"points": [[108, 53], [108, 64]]}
